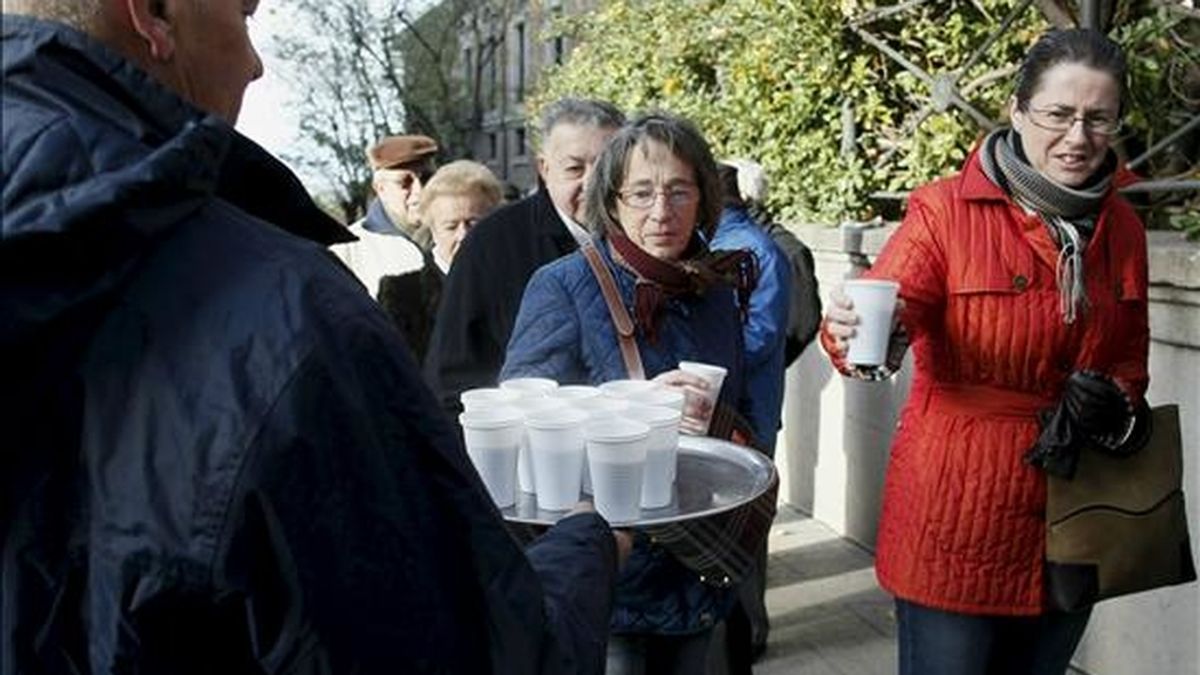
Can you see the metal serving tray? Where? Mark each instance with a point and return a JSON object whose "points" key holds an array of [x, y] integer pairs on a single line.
{"points": [[712, 477]]}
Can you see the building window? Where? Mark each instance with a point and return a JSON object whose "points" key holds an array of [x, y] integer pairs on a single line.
{"points": [[493, 147], [520, 91], [519, 143], [559, 49]]}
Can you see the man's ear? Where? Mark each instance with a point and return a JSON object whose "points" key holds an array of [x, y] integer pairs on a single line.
{"points": [[543, 166], [151, 21]]}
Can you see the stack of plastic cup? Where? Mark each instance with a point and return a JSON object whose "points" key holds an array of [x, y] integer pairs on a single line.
{"points": [[576, 394], [715, 376], [530, 386], [488, 397], [556, 450], [661, 448], [493, 439], [616, 453], [600, 410], [627, 388], [530, 406], [665, 397]]}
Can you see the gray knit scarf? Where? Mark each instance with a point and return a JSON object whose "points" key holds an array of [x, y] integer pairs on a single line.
{"points": [[1069, 213]]}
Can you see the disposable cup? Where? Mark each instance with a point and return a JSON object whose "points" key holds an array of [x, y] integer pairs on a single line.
{"points": [[528, 406], [616, 453], [576, 394], [493, 439], [715, 376], [661, 447], [628, 388], [874, 302], [557, 451], [665, 397], [599, 410], [530, 386], [487, 397]]}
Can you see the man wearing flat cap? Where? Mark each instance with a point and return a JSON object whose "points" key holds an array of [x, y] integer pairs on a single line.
{"points": [[389, 241]]}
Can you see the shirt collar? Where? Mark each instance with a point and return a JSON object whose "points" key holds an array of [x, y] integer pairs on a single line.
{"points": [[578, 233]]}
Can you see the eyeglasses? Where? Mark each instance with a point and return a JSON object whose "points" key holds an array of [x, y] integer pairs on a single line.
{"points": [[643, 197], [1063, 119]]}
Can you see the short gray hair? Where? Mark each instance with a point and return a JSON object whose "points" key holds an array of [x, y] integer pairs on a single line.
{"points": [[751, 179], [682, 138], [585, 112]]}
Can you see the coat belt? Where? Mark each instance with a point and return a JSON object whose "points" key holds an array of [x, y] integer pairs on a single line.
{"points": [[981, 400]]}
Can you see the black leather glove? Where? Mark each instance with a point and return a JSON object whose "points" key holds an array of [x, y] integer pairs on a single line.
{"points": [[1092, 407], [1097, 404]]}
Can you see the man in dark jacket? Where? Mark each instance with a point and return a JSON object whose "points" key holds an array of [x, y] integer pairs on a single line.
{"points": [[484, 288], [218, 457]]}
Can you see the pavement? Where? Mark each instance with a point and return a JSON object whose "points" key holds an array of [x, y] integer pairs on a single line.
{"points": [[828, 615]]}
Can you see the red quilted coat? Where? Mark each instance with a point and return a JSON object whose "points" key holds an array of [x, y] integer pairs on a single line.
{"points": [[963, 523]]}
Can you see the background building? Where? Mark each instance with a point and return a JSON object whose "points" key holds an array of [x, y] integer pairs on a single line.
{"points": [[504, 47]]}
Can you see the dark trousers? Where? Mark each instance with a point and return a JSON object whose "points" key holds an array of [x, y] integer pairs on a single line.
{"points": [[934, 642], [659, 654]]}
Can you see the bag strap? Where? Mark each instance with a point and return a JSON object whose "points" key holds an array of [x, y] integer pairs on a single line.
{"points": [[616, 309]]}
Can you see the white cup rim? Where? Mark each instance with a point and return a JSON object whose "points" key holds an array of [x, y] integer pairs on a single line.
{"points": [[880, 283], [660, 397], [656, 416], [489, 394], [536, 384], [576, 392], [703, 369], [528, 406], [617, 430], [490, 418], [556, 418]]}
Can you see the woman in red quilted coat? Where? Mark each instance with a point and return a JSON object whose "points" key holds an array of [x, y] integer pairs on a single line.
{"points": [[1023, 291]]}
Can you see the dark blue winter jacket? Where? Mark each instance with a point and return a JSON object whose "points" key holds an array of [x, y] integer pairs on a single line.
{"points": [[217, 456], [765, 331], [564, 332]]}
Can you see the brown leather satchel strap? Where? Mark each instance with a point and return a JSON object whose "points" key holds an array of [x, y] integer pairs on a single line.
{"points": [[616, 309]]}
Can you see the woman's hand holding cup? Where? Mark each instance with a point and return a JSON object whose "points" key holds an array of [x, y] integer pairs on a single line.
{"points": [[697, 407]]}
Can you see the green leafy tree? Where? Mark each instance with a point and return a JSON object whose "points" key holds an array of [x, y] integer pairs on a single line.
{"points": [[805, 88]]}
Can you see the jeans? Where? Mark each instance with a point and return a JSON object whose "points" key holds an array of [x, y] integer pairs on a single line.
{"points": [[935, 642]]}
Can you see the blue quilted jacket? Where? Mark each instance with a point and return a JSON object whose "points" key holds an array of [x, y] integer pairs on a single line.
{"points": [[564, 332]]}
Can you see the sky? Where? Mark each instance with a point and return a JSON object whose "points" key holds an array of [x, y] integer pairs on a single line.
{"points": [[266, 116]]}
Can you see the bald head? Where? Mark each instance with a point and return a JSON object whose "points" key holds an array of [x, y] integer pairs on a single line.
{"points": [[198, 48]]}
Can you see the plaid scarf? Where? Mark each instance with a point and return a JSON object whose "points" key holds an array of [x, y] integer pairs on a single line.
{"points": [[696, 271], [1069, 213]]}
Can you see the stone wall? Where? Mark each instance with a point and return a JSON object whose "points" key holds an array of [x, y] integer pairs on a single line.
{"points": [[834, 445]]}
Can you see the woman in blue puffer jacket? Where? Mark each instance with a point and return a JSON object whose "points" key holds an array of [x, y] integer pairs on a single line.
{"points": [[653, 199]]}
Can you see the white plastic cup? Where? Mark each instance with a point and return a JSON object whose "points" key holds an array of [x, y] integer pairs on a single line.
{"points": [[493, 439], [488, 397], [557, 452], [576, 394], [875, 303], [616, 453], [666, 397], [599, 410], [530, 386], [526, 481], [715, 376], [628, 388], [661, 448]]}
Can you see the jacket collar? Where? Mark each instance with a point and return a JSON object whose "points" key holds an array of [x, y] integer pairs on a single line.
{"points": [[548, 224]]}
